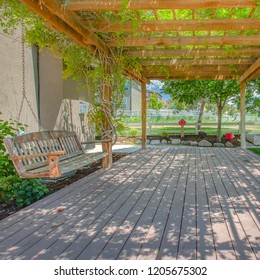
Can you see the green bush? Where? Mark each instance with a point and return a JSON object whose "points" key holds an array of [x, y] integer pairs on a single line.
{"points": [[22, 192], [133, 132], [165, 134], [7, 128], [13, 189]]}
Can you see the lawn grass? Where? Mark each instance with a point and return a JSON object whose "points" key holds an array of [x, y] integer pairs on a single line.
{"points": [[255, 150]]}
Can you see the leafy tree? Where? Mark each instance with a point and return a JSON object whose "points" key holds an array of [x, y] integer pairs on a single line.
{"points": [[252, 97], [217, 92], [220, 92], [187, 92], [155, 103]]}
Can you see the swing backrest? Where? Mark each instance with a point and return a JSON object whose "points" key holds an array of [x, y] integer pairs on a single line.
{"points": [[43, 142]]}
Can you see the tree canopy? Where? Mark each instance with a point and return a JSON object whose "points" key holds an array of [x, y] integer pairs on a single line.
{"points": [[213, 91]]}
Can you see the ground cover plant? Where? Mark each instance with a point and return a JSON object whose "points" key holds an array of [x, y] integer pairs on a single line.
{"points": [[255, 150], [13, 189]]}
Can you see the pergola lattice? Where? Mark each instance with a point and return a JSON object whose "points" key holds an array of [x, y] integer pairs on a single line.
{"points": [[171, 39]]}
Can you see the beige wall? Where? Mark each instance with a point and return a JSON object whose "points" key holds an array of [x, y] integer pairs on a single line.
{"points": [[59, 99], [11, 81], [136, 100], [51, 89]]}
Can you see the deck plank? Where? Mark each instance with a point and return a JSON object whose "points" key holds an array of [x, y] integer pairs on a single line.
{"points": [[112, 188], [206, 248], [230, 211], [223, 242], [175, 203], [170, 240]]}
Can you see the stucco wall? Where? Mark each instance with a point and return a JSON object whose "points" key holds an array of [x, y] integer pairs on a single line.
{"points": [[51, 89], [11, 81], [59, 99], [136, 100]]}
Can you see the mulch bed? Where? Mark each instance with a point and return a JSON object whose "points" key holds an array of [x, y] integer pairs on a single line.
{"points": [[211, 138], [7, 210]]}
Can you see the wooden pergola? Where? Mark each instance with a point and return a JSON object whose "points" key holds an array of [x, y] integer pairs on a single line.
{"points": [[170, 39]]}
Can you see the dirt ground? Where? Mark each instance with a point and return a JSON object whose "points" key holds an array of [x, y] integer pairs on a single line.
{"points": [[211, 138]]}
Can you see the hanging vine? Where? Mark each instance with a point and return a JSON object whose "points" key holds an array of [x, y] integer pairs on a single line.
{"points": [[79, 63]]}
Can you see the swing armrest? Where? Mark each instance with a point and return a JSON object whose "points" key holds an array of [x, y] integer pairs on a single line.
{"points": [[57, 153]]}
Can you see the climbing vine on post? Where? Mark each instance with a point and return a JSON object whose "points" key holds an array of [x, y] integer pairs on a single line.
{"points": [[79, 62]]}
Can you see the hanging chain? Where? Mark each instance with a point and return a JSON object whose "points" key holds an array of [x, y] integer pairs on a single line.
{"points": [[24, 97]]}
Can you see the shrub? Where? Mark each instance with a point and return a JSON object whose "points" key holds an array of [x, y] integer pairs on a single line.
{"points": [[22, 192], [165, 134], [13, 189], [133, 132], [7, 128]]}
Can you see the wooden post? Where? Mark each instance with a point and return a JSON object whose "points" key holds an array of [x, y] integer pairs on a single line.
{"points": [[242, 115], [106, 95], [182, 131], [143, 115]]}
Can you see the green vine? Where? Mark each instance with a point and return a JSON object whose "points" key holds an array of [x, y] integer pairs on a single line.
{"points": [[79, 62]]}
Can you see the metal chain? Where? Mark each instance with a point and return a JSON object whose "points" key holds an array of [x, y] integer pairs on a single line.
{"points": [[24, 97]]}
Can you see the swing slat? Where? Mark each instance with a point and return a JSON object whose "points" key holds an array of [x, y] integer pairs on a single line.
{"points": [[48, 154]]}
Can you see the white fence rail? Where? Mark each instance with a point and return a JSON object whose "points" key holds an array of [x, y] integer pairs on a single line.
{"points": [[186, 114], [233, 127]]}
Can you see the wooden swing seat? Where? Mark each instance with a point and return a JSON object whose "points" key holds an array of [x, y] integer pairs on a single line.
{"points": [[48, 154]]}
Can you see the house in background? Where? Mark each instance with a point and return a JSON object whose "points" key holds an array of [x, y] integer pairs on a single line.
{"points": [[133, 96], [50, 103]]}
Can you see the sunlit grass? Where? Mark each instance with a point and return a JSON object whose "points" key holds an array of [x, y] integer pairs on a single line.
{"points": [[255, 150]]}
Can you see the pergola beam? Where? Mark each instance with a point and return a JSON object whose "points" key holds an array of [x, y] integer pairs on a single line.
{"points": [[238, 52], [199, 67], [112, 5], [70, 18], [192, 72], [254, 67], [190, 61], [254, 75], [55, 21], [191, 77], [179, 25], [243, 40]]}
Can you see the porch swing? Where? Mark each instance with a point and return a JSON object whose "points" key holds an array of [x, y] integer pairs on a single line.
{"points": [[47, 154]]}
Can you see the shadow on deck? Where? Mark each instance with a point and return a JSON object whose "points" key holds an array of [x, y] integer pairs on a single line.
{"points": [[171, 203]]}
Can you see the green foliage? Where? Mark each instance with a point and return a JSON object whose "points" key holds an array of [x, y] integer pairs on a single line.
{"points": [[13, 189], [213, 92], [22, 192], [252, 97], [7, 128], [165, 134], [255, 150], [133, 132], [155, 103], [79, 63]]}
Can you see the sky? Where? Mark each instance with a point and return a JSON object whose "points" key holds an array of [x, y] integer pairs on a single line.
{"points": [[156, 86]]}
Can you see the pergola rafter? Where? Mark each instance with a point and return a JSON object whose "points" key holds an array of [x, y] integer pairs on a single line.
{"points": [[97, 24], [149, 41], [202, 52], [179, 25], [108, 5], [167, 38]]}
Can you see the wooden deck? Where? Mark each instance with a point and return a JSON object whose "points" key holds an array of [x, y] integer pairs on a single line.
{"points": [[176, 203]]}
